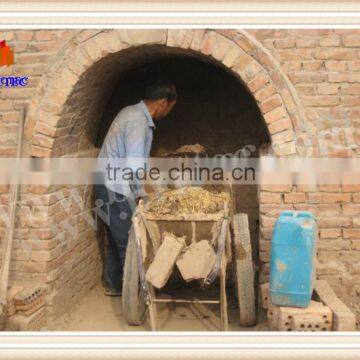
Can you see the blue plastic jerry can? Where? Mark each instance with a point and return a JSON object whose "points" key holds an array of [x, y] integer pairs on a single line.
{"points": [[293, 259]]}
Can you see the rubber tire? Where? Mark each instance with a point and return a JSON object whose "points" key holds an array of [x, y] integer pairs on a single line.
{"points": [[134, 307], [244, 271]]}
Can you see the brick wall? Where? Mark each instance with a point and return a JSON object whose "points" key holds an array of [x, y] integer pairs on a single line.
{"points": [[300, 78], [324, 66]]}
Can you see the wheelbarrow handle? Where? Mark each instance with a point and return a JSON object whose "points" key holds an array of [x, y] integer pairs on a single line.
{"points": [[220, 251], [143, 283]]}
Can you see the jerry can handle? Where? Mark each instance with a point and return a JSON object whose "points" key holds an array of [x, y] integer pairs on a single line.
{"points": [[287, 213], [298, 214], [304, 214]]}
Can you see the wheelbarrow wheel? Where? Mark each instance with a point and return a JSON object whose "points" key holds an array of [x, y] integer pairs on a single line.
{"points": [[244, 271], [134, 306]]}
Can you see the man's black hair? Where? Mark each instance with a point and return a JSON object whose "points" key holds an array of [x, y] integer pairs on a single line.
{"points": [[161, 90]]}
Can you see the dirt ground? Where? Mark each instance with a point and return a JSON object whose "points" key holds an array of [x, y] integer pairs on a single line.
{"points": [[97, 312]]}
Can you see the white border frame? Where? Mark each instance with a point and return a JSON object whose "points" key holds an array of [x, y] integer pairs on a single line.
{"points": [[165, 14]]}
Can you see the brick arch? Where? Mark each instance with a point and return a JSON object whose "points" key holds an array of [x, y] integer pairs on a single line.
{"points": [[52, 132]]}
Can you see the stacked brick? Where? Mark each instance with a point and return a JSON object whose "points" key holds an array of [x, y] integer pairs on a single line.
{"points": [[324, 67], [326, 312], [336, 209]]}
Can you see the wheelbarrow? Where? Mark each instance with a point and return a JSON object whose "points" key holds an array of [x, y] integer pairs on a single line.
{"points": [[228, 233]]}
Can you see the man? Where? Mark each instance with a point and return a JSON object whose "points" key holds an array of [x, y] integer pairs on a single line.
{"points": [[130, 136]]}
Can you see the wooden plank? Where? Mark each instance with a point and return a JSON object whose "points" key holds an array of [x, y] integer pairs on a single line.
{"points": [[154, 230], [7, 243], [143, 237], [193, 230], [344, 319], [152, 309], [157, 300], [264, 295], [228, 250], [223, 300], [155, 241], [215, 232], [220, 251]]}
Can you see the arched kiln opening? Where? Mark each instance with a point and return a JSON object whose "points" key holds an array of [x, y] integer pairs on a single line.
{"points": [[214, 109]]}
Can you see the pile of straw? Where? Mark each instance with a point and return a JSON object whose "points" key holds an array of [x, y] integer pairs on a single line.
{"points": [[187, 200]]}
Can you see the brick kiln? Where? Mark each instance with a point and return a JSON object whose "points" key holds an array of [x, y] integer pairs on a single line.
{"points": [[236, 88]]}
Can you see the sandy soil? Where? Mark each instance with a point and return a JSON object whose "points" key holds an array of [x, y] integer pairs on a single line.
{"points": [[97, 312]]}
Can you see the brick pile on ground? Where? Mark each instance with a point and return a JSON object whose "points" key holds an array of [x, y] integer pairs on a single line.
{"points": [[26, 308], [326, 312]]}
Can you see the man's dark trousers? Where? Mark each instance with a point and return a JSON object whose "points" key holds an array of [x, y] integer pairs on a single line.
{"points": [[118, 213]]}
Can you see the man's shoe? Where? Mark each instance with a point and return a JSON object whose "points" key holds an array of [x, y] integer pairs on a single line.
{"points": [[112, 292]]}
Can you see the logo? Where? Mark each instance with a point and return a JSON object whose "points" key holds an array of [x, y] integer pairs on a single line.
{"points": [[6, 55], [7, 59]]}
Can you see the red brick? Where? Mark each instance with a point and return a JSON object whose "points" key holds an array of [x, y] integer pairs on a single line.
{"points": [[10, 117], [306, 187], [351, 233], [333, 244], [330, 188], [330, 233], [351, 77], [335, 65], [275, 102], [351, 188], [320, 100], [306, 42], [355, 245], [44, 35], [294, 54], [26, 35], [266, 233], [351, 40], [330, 41], [260, 80], [284, 43], [335, 54], [310, 32], [306, 89], [353, 65], [6, 105], [312, 65], [267, 221], [293, 198], [283, 137], [353, 89], [328, 198], [270, 198], [265, 92], [276, 187], [327, 89], [350, 100], [280, 125], [351, 209], [272, 210], [307, 77], [337, 221], [291, 66]]}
